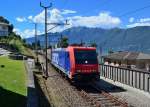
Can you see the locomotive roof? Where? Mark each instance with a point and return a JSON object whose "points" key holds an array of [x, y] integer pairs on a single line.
{"points": [[81, 47], [74, 47], [59, 49]]}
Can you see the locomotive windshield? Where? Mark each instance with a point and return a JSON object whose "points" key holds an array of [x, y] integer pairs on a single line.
{"points": [[85, 57]]}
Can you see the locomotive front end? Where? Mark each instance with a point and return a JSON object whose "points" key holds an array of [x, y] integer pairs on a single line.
{"points": [[86, 64]]}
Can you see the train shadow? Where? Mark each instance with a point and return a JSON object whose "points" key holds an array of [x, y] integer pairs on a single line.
{"points": [[99, 84], [32, 97], [108, 87], [41, 97], [11, 99]]}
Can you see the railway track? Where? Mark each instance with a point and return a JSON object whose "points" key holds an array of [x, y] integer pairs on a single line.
{"points": [[98, 97], [63, 89]]}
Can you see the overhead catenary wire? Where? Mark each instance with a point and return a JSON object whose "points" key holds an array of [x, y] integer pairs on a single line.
{"points": [[96, 8], [134, 11]]}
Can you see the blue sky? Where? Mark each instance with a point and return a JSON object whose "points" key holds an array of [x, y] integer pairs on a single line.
{"points": [[90, 13]]}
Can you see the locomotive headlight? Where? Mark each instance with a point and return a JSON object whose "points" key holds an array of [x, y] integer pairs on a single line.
{"points": [[78, 70], [94, 70]]}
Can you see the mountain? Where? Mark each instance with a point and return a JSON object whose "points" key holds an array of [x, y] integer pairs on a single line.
{"points": [[131, 39]]}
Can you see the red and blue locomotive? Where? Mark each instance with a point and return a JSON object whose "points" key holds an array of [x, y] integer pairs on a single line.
{"points": [[78, 63]]}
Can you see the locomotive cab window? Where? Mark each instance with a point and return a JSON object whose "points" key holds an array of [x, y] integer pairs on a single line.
{"points": [[85, 57]]}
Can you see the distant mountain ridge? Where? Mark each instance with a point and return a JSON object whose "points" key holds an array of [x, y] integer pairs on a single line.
{"points": [[131, 39]]}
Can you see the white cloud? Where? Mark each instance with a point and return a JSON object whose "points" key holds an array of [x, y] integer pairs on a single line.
{"points": [[27, 32], [39, 18], [68, 11], [104, 20], [21, 19], [145, 20], [131, 19], [30, 17], [54, 15], [16, 30], [140, 22]]}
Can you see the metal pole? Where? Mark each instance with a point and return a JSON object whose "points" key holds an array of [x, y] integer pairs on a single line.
{"points": [[45, 8], [36, 39], [46, 41], [46, 37]]}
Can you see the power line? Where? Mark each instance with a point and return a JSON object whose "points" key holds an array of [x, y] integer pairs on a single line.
{"points": [[134, 11], [96, 8], [57, 24]]}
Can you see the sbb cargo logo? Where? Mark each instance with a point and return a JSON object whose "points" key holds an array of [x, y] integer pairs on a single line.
{"points": [[55, 58]]}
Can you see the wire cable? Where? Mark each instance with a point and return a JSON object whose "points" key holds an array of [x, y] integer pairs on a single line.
{"points": [[134, 11], [96, 8]]}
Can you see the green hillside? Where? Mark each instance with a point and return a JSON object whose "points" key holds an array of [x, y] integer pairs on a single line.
{"points": [[14, 43]]}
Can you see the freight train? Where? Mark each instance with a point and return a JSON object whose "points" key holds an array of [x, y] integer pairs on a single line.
{"points": [[77, 63]]}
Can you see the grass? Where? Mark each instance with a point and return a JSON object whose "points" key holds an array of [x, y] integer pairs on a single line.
{"points": [[18, 45], [22, 49], [13, 89]]}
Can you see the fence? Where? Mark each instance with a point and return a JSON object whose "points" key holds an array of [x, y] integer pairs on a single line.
{"points": [[134, 78]]}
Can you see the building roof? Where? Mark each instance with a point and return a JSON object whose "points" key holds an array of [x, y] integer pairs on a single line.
{"points": [[128, 56], [143, 56], [1, 23]]}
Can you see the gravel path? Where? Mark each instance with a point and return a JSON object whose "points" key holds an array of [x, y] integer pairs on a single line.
{"points": [[32, 97], [132, 96]]}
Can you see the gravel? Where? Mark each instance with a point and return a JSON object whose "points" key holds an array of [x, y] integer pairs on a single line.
{"points": [[61, 92], [60, 87]]}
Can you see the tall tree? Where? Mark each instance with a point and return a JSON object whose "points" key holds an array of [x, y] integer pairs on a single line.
{"points": [[10, 28], [93, 44], [3, 20], [64, 42], [38, 44]]}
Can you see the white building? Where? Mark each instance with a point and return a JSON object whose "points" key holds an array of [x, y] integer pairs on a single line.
{"points": [[4, 29]]}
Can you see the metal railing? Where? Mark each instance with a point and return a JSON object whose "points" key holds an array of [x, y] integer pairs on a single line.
{"points": [[134, 78]]}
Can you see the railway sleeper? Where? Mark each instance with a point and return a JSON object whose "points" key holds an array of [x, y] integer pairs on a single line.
{"points": [[108, 104], [97, 96], [99, 100], [102, 99], [110, 101], [106, 101]]}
